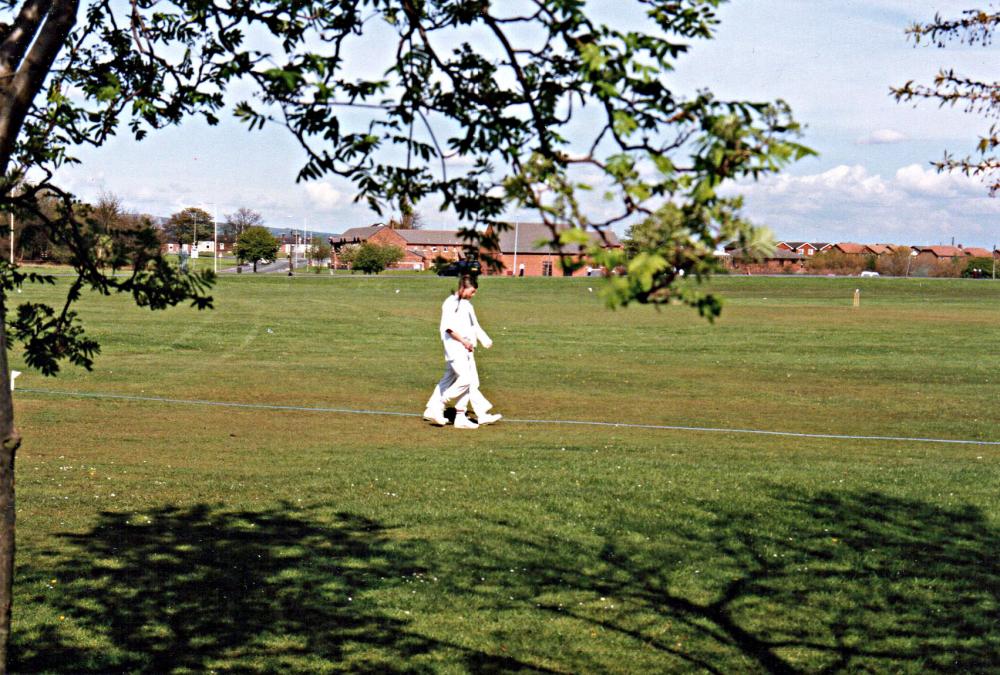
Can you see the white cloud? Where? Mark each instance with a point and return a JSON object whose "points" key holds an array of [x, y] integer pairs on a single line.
{"points": [[916, 205], [323, 195], [883, 137], [926, 180], [853, 182]]}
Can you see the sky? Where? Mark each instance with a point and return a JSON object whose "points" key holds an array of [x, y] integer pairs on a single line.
{"points": [[833, 61]]}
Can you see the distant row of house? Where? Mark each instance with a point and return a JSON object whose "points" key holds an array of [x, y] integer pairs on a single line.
{"points": [[794, 254], [806, 249], [524, 249]]}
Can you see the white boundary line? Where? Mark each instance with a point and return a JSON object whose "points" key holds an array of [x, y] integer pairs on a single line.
{"points": [[616, 425]]}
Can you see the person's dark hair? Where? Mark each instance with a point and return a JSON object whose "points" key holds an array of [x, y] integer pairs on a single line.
{"points": [[467, 281]]}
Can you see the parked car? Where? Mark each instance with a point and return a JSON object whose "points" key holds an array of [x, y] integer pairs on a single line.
{"points": [[460, 267], [869, 273]]}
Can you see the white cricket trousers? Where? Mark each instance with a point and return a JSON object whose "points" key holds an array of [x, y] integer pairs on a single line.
{"points": [[460, 383]]}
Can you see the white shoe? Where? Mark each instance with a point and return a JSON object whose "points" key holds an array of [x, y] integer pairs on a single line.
{"points": [[488, 418], [463, 422], [435, 417]]}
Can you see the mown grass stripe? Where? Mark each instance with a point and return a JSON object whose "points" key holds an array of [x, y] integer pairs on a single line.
{"points": [[620, 425]]}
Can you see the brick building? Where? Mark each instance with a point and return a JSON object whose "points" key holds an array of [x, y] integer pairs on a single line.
{"points": [[526, 250], [782, 261], [420, 247], [850, 248], [937, 253]]}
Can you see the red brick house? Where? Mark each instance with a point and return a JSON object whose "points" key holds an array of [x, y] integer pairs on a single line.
{"points": [[806, 248], [936, 253], [525, 250], [420, 247], [850, 248], [782, 261]]}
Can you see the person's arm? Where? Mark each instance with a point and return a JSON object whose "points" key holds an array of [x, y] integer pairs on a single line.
{"points": [[465, 343], [481, 335], [483, 338]]}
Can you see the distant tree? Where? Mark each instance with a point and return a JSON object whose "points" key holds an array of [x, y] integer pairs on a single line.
{"points": [[979, 97], [319, 250], [896, 263], [236, 222], [408, 220], [34, 239], [184, 226], [835, 262], [112, 226], [108, 213], [373, 258], [256, 244], [346, 254]]}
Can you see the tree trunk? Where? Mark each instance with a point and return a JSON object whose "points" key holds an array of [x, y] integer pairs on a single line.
{"points": [[9, 442]]}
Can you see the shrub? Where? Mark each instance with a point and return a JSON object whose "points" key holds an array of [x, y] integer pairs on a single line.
{"points": [[946, 268], [983, 265], [373, 258], [438, 264], [895, 264], [835, 262]]}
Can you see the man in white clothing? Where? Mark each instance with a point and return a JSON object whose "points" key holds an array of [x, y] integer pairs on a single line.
{"points": [[460, 332]]}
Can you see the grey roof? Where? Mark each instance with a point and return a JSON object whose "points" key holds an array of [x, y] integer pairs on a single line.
{"points": [[779, 254], [356, 233], [432, 237], [529, 237]]}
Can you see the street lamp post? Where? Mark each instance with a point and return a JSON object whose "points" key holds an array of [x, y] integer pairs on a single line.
{"points": [[215, 238]]}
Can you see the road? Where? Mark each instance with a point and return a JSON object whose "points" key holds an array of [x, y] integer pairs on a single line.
{"points": [[278, 266]]}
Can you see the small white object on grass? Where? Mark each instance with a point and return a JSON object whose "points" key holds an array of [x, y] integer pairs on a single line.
{"points": [[13, 376], [590, 289], [397, 290], [269, 330]]}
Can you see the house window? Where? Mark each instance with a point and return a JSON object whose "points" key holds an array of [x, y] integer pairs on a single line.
{"points": [[547, 268], [434, 248]]}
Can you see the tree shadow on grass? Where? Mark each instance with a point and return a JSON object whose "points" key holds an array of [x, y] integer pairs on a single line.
{"points": [[821, 583], [800, 582], [196, 589]]}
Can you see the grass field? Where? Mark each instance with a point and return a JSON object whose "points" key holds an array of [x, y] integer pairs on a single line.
{"points": [[169, 537]]}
